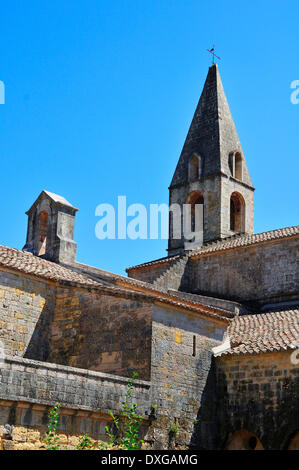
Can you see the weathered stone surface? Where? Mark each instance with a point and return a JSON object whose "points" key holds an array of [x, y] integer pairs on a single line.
{"points": [[50, 231], [213, 138], [26, 310], [264, 273], [74, 334], [258, 393], [94, 331]]}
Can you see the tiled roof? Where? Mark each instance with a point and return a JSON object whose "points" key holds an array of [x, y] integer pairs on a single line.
{"points": [[30, 264], [165, 259], [264, 332], [231, 243], [191, 300], [246, 240]]}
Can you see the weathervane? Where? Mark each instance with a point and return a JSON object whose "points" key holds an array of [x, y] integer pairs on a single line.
{"points": [[212, 51]]}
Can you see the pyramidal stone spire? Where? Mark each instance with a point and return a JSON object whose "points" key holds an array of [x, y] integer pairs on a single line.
{"points": [[212, 167], [212, 133]]}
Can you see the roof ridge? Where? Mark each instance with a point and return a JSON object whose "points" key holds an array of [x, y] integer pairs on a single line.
{"points": [[25, 262], [229, 243]]}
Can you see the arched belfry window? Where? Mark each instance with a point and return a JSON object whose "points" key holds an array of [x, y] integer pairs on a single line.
{"points": [[195, 167], [237, 213], [41, 240], [195, 198]]}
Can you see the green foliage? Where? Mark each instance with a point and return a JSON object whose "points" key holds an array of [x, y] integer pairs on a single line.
{"points": [[173, 429], [85, 443], [52, 434], [125, 434]]}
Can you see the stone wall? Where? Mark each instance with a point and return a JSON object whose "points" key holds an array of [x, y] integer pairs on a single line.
{"points": [[210, 188], [26, 310], [228, 186], [29, 389], [181, 373], [74, 326], [101, 332], [173, 278], [263, 273], [230, 306], [150, 273], [258, 394]]}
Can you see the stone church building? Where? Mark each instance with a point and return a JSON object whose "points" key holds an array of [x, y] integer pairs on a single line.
{"points": [[212, 331]]}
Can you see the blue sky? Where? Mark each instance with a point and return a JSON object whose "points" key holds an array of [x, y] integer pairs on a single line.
{"points": [[100, 95]]}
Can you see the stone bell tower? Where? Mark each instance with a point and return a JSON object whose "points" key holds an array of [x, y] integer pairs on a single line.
{"points": [[212, 170], [50, 233]]}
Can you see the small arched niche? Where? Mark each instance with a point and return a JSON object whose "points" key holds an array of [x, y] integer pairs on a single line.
{"points": [[41, 239], [244, 440], [194, 198], [194, 167], [236, 165], [237, 213]]}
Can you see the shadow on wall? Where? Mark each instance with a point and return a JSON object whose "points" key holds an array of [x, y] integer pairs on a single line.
{"points": [[26, 311], [248, 420], [38, 347], [204, 436], [89, 330], [248, 423]]}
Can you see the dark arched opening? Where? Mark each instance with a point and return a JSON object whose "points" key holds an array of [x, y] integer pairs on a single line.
{"points": [[42, 233], [237, 213], [244, 440], [195, 198], [194, 169]]}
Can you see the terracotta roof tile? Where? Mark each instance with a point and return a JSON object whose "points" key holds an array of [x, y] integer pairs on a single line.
{"points": [[246, 240], [30, 264], [177, 297], [165, 259], [264, 332]]}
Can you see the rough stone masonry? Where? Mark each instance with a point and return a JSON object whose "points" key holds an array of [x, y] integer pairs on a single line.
{"points": [[212, 332]]}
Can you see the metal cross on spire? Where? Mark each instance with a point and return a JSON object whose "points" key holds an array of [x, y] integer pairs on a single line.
{"points": [[212, 51]]}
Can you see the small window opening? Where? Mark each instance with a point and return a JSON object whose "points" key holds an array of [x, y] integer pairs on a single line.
{"points": [[42, 233], [195, 198], [194, 346], [195, 164], [237, 213], [238, 166]]}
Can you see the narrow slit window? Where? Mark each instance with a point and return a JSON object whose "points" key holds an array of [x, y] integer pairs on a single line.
{"points": [[194, 346], [42, 233], [238, 166]]}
